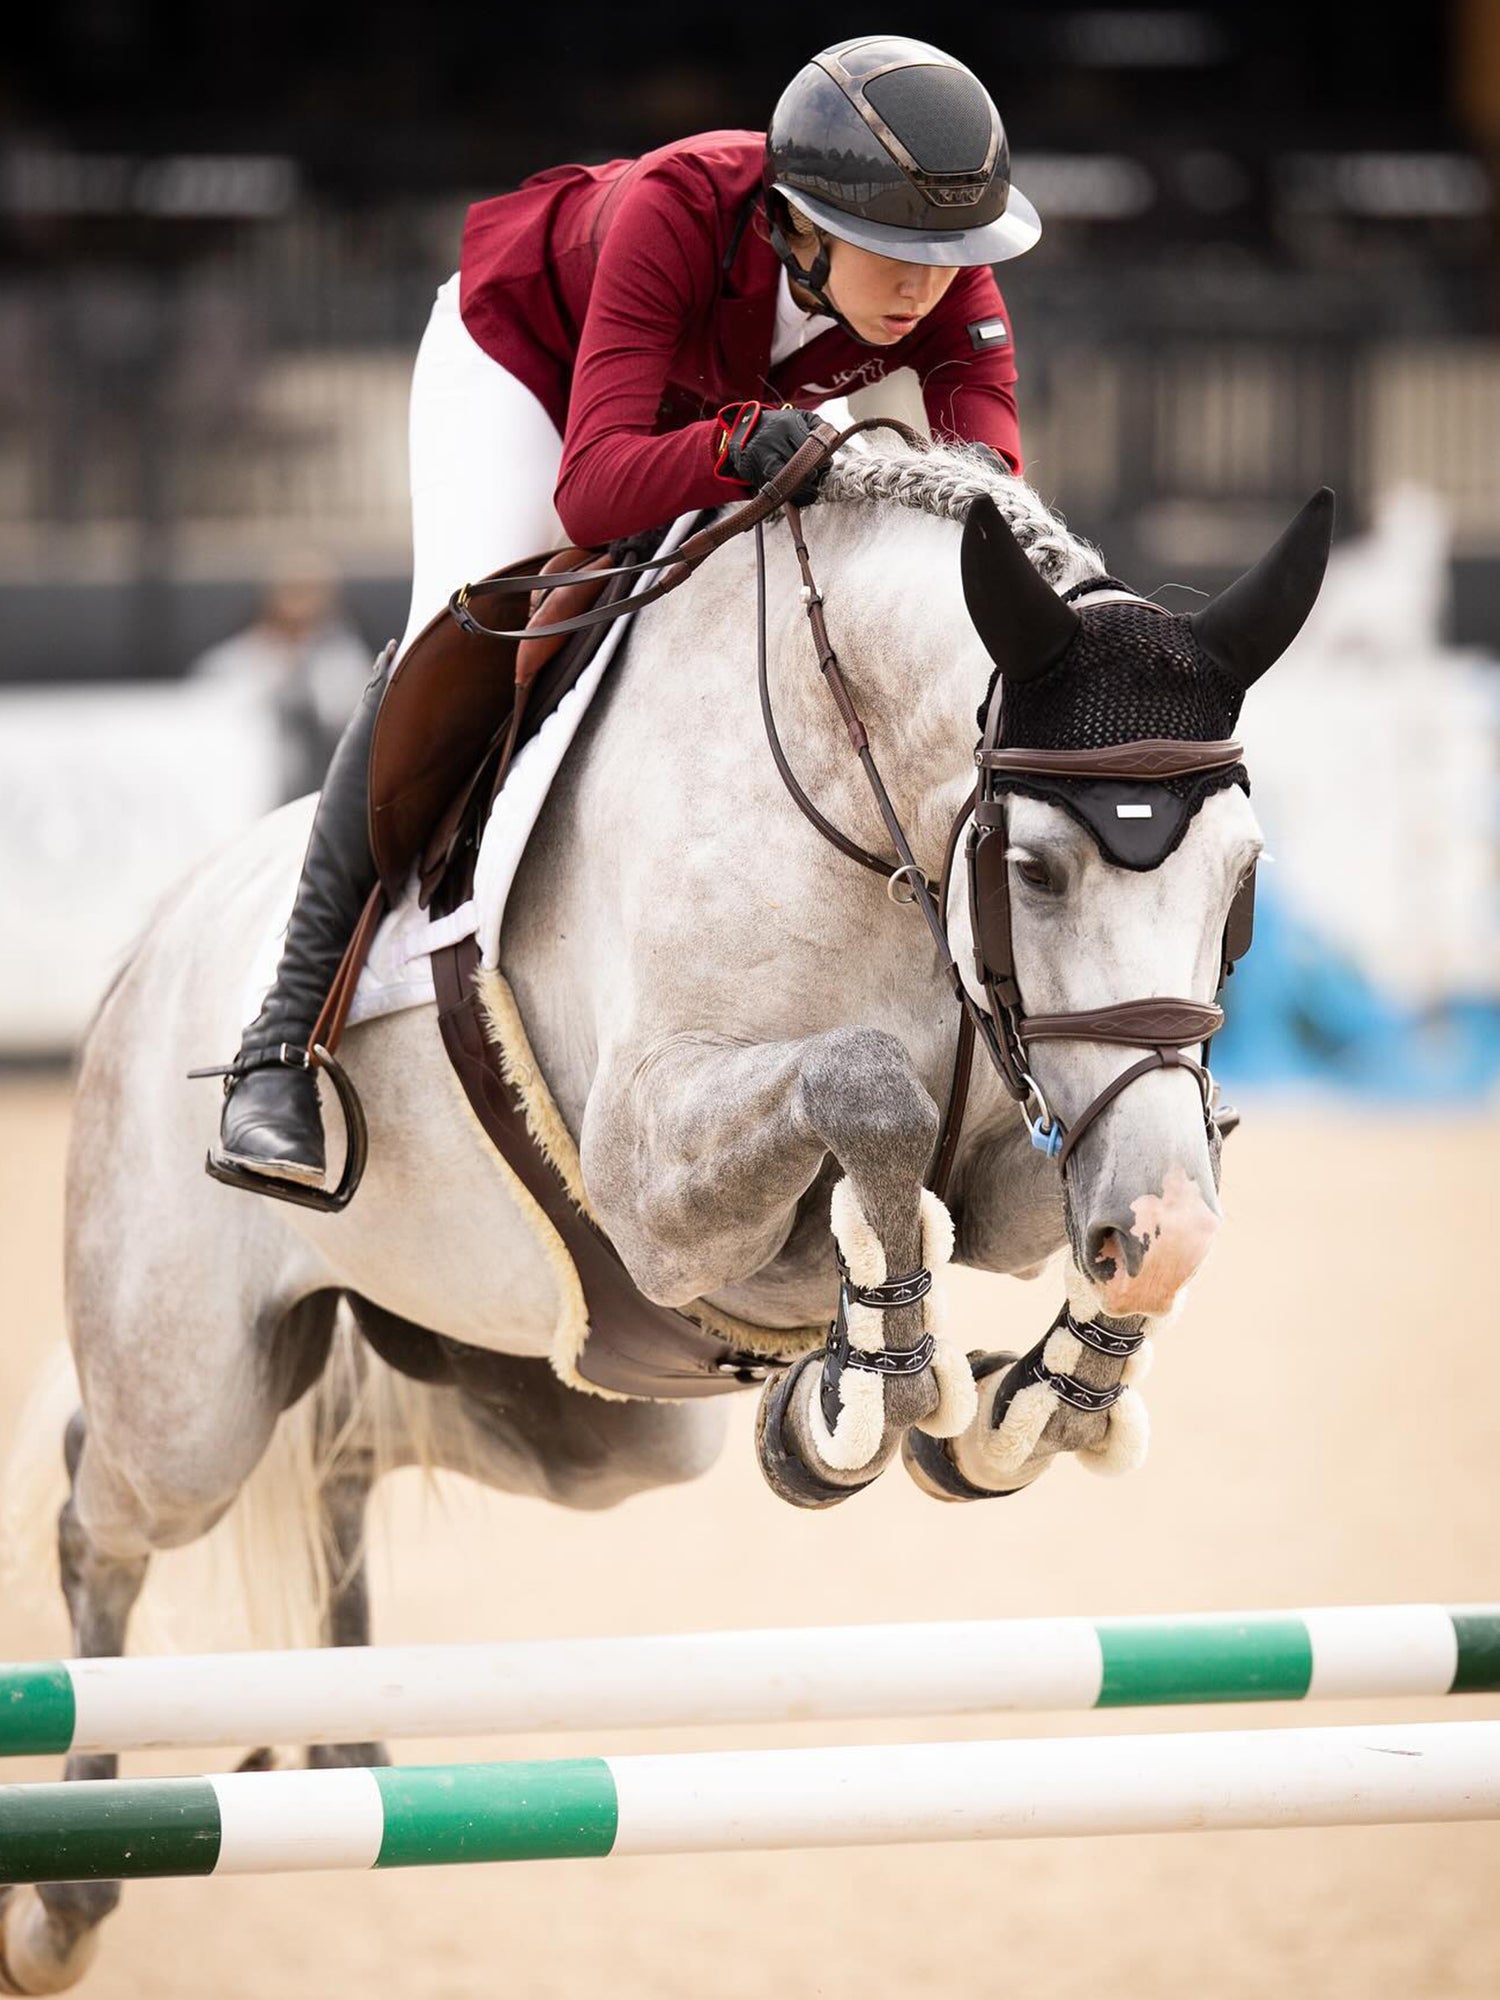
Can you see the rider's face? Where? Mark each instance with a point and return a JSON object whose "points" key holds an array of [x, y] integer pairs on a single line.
{"points": [[882, 298]]}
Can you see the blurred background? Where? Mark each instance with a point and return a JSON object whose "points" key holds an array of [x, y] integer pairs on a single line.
{"points": [[1269, 262]]}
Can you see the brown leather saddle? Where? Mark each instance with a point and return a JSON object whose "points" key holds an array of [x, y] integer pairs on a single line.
{"points": [[460, 704]]}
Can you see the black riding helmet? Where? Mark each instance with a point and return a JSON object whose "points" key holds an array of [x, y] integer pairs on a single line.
{"points": [[893, 146]]}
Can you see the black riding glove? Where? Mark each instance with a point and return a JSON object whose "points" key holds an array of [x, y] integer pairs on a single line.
{"points": [[756, 443], [996, 458]]}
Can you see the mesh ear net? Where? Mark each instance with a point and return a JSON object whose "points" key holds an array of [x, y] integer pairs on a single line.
{"points": [[1130, 672]]}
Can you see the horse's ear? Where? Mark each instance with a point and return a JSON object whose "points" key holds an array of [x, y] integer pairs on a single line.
{"points": [[1023, 622], [1249, 626]]}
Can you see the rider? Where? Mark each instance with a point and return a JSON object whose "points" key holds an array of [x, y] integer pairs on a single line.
{"points": [[599, 318]]}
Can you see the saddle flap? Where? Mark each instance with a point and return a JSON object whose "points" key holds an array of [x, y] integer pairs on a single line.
{"points": [[549, 607], [449, 693], [454, 699]]}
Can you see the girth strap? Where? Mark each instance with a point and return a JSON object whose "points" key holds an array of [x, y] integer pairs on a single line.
{"points": [[634, 1346]]}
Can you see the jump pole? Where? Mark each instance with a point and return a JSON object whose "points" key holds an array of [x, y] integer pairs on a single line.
{"points": [[410, 1818], [834, 1673]]}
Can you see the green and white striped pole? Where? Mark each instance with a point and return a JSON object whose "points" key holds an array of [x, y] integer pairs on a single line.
{"points": [[267, 1822], [834, 1673]]}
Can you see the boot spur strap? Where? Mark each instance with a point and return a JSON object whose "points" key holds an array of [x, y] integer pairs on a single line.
{"points": [[278, 1055]]}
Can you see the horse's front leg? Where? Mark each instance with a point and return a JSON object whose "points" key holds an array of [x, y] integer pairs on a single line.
{"points": [[1076, 1391], [697, 1153]]}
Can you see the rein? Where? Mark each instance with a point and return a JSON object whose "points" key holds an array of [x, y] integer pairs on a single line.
{"points": [[822, 442]]}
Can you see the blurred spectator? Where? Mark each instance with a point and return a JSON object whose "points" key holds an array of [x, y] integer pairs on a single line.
{"points": [[307, 661]]}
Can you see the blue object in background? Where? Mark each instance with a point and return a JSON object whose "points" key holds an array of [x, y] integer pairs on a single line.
{"points": [[1301, 1014]]}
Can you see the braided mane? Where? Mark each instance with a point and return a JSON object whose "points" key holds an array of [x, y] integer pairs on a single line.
{"points": [[945, 480]]}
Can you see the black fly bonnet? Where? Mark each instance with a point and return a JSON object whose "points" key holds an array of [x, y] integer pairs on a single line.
{"points": [[1131, 672], [1120, 713]]}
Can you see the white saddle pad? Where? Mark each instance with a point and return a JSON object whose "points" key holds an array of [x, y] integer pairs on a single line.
{"points": [[398, 971]]}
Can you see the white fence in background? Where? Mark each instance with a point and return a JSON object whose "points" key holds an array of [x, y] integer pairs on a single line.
{"points": [[1375, 755], [107, 797]]}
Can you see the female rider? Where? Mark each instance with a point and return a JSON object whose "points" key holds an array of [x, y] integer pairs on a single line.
{"points": [[572, 370]]}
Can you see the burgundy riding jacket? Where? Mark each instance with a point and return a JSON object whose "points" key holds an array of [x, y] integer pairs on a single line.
{"points": [[636, 299]]}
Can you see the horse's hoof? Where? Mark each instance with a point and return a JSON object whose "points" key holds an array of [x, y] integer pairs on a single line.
{"points": [[930, 1462], [927, 1460], [787, 1474], [30, 1958]]}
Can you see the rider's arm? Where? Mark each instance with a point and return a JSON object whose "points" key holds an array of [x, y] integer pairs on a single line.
{"points": [[656, 272], [965, 360]]}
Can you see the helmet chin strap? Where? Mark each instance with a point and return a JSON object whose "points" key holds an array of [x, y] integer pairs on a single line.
{"points": [[814, 280]]}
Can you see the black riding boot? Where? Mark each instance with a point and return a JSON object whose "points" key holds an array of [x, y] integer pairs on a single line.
{"points": [[271, 1123]]}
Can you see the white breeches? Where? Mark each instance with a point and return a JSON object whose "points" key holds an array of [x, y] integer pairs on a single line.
{"points": [[484, 462]]}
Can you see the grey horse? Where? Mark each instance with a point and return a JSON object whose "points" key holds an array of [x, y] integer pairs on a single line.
{"points": [[741, 1031]]}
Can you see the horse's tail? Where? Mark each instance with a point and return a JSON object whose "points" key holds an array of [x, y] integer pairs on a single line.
{"points": [[360, 1410], [265, 1574], [35, 1485]]}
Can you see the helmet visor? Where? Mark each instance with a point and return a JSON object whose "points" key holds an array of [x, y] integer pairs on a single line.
{"points": [[991, 243]]}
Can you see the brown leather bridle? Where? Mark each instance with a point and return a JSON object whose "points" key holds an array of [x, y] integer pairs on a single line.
{"points": [[1164, 1027]]}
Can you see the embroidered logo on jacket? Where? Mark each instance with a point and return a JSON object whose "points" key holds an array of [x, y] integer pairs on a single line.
{"points": [[862, 373], [985, 333]]}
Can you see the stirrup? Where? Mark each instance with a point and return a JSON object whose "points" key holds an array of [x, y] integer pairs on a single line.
{"points": [[356, 1132]]}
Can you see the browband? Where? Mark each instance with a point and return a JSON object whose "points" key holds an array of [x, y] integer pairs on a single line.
{"points": [[1152, 757]]}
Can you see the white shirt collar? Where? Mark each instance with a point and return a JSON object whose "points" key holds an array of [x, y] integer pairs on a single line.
{"points": [[794, 327]]}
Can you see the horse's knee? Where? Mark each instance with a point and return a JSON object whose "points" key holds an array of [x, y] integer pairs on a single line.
{"points": [[859, 1091]]}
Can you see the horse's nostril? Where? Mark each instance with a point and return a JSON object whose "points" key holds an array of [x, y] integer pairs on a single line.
{"points": [[1112, 1248]]}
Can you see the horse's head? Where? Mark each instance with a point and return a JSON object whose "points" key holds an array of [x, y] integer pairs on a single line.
{"points": [[1113, 836]]}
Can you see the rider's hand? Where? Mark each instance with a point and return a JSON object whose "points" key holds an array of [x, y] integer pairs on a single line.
{"points": [[995, 458], [755, 443]]}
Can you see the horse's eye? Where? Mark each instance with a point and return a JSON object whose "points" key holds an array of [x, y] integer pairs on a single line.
{"points": [[1034, 874]]}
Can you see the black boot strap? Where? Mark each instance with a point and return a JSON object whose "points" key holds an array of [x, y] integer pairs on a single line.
{"points": [[1105, 1338], [1068, 1389], [276, 1055], [886, 1297]]}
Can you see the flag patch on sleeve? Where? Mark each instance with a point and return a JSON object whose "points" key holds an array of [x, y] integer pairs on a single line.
{"points": [[986, 333]]}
